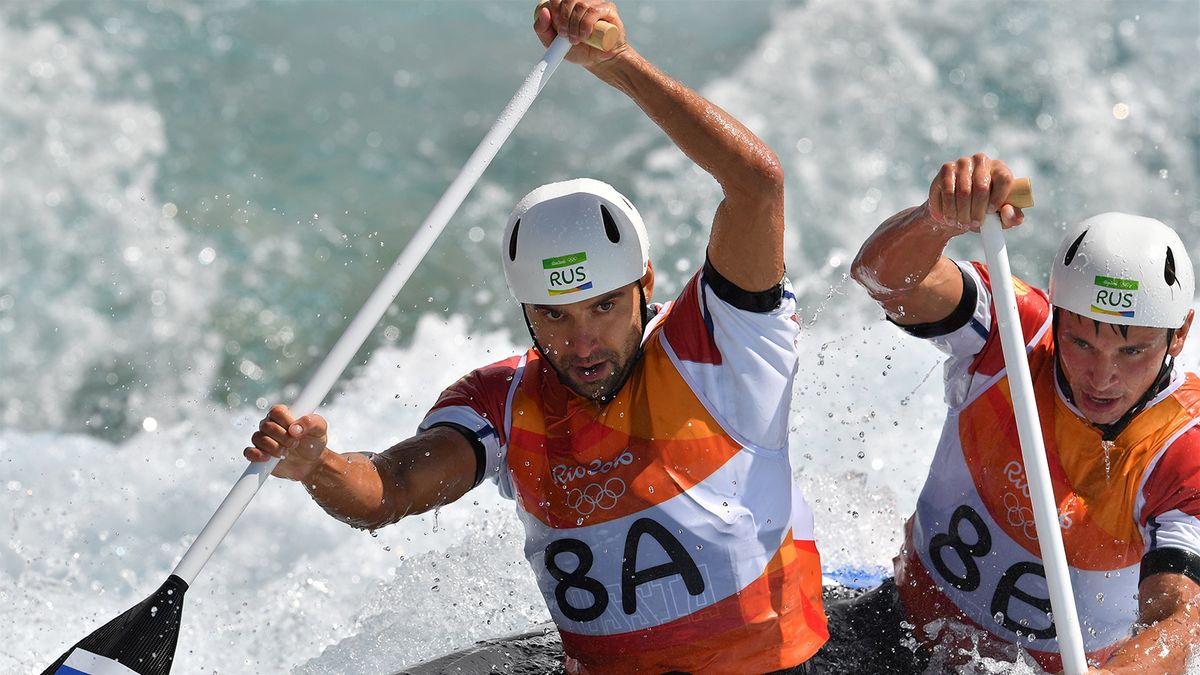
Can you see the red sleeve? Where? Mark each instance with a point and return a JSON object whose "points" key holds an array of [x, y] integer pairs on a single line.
{"points": [[484, 391], [1033, 306], [688, 326], [1174, 484]]}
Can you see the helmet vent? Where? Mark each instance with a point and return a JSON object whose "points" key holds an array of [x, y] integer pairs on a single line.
{"points": [[1169, 268], [512, 241], [610, 226], [1074, 248]]}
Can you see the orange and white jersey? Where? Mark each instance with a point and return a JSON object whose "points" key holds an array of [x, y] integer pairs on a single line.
{"points": [[1127, 508], [663, 526]]}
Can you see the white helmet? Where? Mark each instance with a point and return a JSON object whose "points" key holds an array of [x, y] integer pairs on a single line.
{"points": [[571, 241], [1123, 269]]}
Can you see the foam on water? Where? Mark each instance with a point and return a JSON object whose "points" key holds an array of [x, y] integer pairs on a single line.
{"points": [[89, 252], [196, 194]]}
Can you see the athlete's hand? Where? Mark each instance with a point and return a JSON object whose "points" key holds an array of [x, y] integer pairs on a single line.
{"points": [[576, 19], [299, 442], [966, 191]]}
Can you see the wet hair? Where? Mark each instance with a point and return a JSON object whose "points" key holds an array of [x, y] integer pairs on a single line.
{"points": [[1117, 327]]}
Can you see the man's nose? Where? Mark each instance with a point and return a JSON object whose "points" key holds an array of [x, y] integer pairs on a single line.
{"points": [[1104, 372], [582, 342]]}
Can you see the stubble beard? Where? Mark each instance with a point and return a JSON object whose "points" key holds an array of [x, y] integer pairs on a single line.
{"points": [[604, 389]]}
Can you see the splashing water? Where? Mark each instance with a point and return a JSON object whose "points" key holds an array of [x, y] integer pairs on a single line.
{"points": [[198, 194], [1107, 447]]}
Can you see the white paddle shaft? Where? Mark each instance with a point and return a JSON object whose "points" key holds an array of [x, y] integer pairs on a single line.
{"points": [[380, 299], [1033, 451]]}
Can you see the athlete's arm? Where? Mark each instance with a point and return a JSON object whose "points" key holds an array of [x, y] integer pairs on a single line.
{"points": [[1169, 615], [746, 243], [902, 266], [435, 467]]}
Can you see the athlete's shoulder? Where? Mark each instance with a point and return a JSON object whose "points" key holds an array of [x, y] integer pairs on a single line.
{"points": [[483, 383], [1033, 308], [1173, 481], [1187, 395], [1032, 302], [1182, 452]]}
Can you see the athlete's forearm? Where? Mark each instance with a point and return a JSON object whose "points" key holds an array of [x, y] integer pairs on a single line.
{"points": [[1165, 645], [903, 268], [746, 242], [900, 254], [709, 136], [433, 468], [350, 488], [1162, 648]]}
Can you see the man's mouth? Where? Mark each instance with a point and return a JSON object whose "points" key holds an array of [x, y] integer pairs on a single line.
{"points": [[1100, 403], [591, 372]]}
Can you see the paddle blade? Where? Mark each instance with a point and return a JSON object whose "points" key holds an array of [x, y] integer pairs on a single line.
{"points": [[141, 641]]}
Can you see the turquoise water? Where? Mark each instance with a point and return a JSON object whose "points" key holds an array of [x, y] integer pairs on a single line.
{"points": [[194, 198]]}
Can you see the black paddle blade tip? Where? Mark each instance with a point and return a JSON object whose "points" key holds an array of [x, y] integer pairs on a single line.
{"points": [[142, 640]]}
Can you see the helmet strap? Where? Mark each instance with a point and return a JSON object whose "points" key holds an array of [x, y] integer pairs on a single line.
{"points": [[533, 336], [1110, 431]]}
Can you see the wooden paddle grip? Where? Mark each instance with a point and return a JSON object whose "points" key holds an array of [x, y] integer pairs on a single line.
{"points": [[604, 34], [1021, 195]]}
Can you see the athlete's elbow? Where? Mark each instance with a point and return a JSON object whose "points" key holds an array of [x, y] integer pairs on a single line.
{"points": [[766, 171], [759, 180], [861, 272], [865, 275]]}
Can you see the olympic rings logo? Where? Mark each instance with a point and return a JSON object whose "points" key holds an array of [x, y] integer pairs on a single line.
{"points": [[596, 496], [1020, 516]]}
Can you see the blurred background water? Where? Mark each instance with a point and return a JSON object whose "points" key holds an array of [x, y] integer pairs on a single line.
{"points": [[196, 196]]}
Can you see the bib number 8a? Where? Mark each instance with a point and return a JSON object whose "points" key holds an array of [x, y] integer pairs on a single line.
{"points": [[963, 548], [679, 564]]}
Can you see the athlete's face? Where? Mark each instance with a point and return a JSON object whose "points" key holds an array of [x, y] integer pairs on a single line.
{"points": [[592, 344], [1108, 371]]}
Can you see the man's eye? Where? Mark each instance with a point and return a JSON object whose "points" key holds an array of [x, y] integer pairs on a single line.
{"points": [[553, 315], [606, 306], [1132, 351]]}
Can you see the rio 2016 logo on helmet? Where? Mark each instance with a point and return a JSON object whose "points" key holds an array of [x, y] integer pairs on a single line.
{"points": [[567, 274], [1123, 269], [571, 241]]}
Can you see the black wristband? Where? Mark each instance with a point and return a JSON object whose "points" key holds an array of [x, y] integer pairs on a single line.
{"points": [[1170, 560], [956, 319], [760, 302], [476, 445]]}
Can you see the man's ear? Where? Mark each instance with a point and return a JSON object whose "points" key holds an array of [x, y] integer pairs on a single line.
{"points": [[647, 281], [1176, 345]]}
